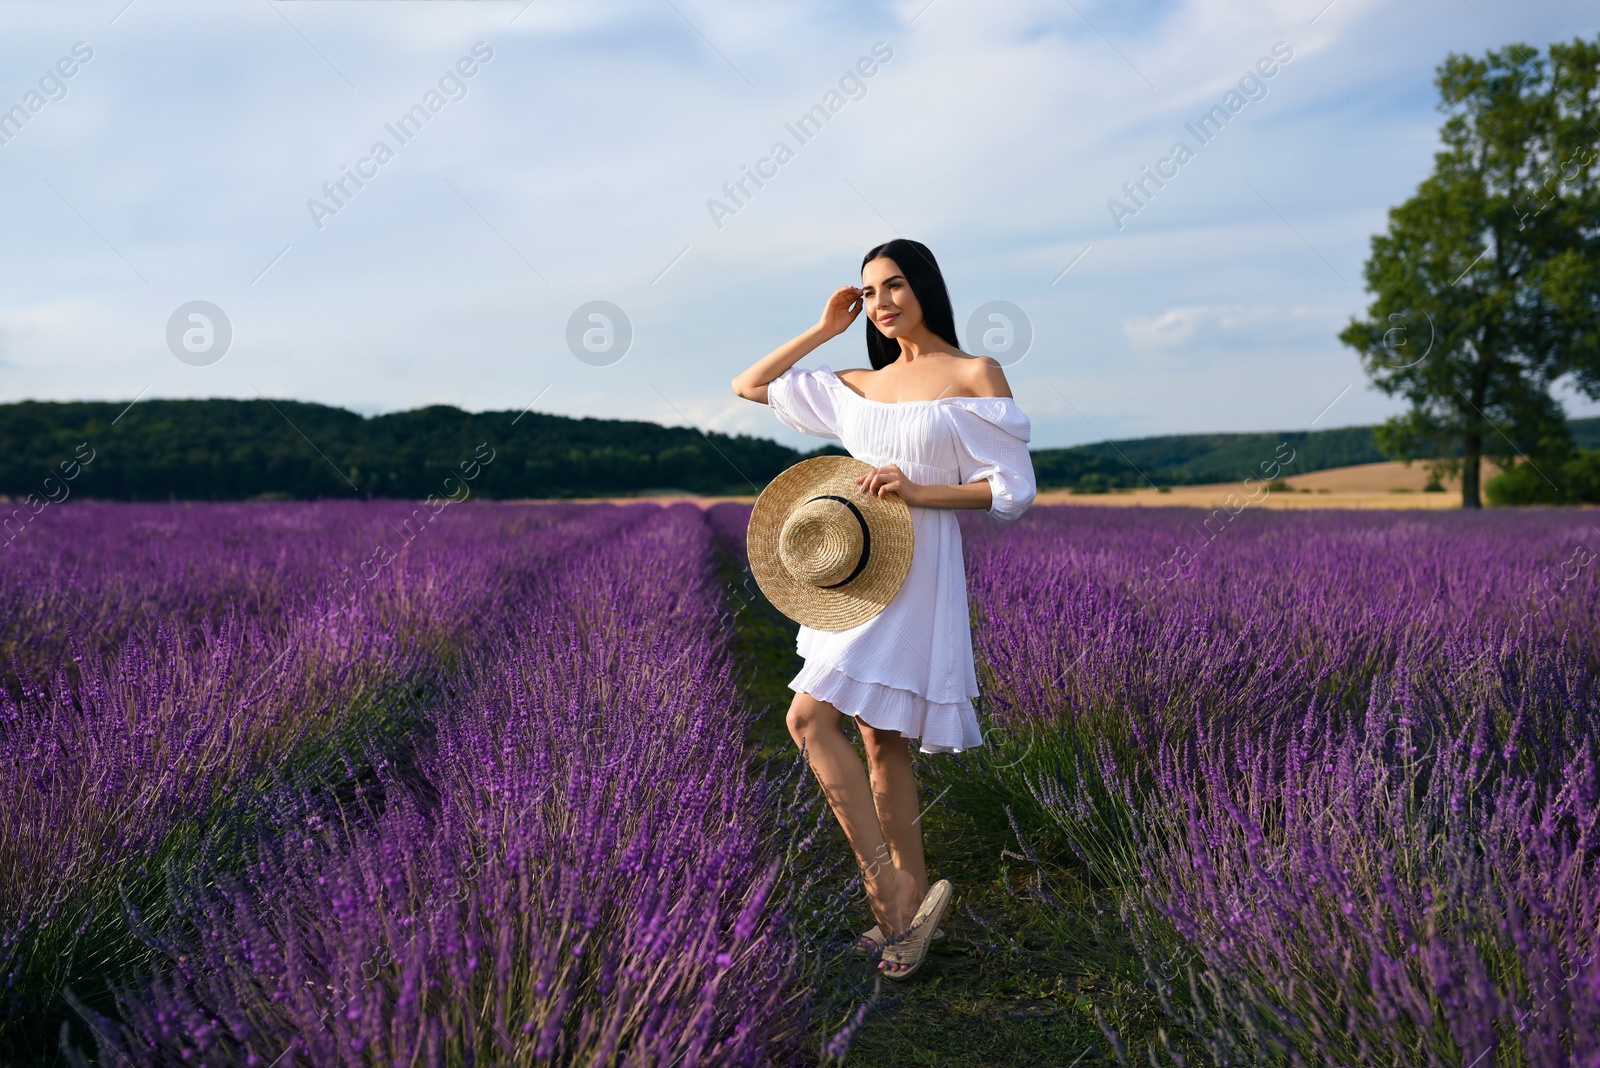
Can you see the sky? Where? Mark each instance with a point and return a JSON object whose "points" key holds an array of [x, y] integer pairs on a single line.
{"points": [[503, 205]]}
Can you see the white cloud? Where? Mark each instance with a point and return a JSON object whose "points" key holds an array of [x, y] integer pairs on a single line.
{"points": [[1199, 326]]}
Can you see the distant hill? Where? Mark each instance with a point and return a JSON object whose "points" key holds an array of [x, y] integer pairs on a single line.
{"points": [[240, 449], [1190, 459], [243, 449], [1585, 433]]}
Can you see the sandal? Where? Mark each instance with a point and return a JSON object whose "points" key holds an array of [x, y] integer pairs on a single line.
{"points": [[911, 950], [872, 941]]}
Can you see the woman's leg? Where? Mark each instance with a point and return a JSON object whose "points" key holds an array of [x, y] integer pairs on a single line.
{"points": [[894, 793], [844, 783]]}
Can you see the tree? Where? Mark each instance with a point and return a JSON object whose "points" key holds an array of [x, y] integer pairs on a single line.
{"points": [[1487, 283]]}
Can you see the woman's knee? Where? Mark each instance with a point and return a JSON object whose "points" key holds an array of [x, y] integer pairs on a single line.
{"points": [[806, 713]]}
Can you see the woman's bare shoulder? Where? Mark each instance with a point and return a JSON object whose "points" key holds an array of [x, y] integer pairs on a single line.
{"points": [[855, 377], [984, 376]]}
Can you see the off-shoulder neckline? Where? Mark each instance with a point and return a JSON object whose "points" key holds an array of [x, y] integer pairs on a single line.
{"points": [[892, 404]]}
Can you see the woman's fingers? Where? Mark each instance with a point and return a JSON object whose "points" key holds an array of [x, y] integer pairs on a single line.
{"points": [[842, 308], [844, 304], [880, 480]]}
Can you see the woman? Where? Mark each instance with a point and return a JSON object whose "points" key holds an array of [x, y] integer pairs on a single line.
{"points": [[941, 430]]}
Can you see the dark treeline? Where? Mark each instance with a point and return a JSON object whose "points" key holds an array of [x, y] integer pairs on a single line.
{"points": [[244, 449], [1187, 459]]}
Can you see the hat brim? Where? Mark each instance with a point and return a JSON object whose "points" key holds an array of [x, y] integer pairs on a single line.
{"points": [[888, 520]]}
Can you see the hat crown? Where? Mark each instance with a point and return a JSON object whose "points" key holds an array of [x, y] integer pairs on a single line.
{"points": [[822, 541], [826, 554]]}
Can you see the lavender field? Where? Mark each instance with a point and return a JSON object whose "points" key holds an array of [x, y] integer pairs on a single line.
{"points": [[362, 784]]}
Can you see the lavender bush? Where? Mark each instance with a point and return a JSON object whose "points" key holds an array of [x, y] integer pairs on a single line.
{"points": [[151, 695], [579, 869], [1341, 768], [351, 784]]}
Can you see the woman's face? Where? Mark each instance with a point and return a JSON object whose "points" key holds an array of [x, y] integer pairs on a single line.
{"points": [[887, 297]]}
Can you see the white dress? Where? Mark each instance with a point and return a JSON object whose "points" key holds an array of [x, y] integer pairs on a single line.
{"points": [[909, 668]]}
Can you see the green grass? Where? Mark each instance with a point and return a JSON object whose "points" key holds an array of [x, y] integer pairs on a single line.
{"points": [[1033, 948]]}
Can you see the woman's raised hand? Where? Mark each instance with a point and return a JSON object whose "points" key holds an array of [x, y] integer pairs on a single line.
{"points": [[841, 311]]}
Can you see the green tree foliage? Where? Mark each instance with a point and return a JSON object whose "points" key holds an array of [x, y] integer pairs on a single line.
{"points": [[1487, 282], [1575, 481], [240, 449]]}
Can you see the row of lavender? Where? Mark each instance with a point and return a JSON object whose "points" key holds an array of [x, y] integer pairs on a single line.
{"points": [[1341, 768], [364, 784]]}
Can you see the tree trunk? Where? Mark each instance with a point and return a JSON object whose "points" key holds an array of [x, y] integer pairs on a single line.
{"points": [[1472, 441], [1471, 462]]}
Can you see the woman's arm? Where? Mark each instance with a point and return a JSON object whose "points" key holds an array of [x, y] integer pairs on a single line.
{"points": [[841, 311], [890, 479], [972, 495]]}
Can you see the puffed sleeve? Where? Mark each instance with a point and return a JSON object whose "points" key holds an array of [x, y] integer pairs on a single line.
{"points": [[804, 400], [992, 443]]}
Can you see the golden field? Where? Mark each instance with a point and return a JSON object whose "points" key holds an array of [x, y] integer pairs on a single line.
{"points": [[1381, 485]]}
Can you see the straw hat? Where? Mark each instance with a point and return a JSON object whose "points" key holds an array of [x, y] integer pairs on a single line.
{"points": [[826, 554]]}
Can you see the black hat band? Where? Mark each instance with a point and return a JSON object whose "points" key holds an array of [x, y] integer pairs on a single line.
{"points": [[866, 538]]}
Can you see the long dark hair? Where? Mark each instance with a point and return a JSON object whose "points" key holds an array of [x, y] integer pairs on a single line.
{"points": [[922, 275]]}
